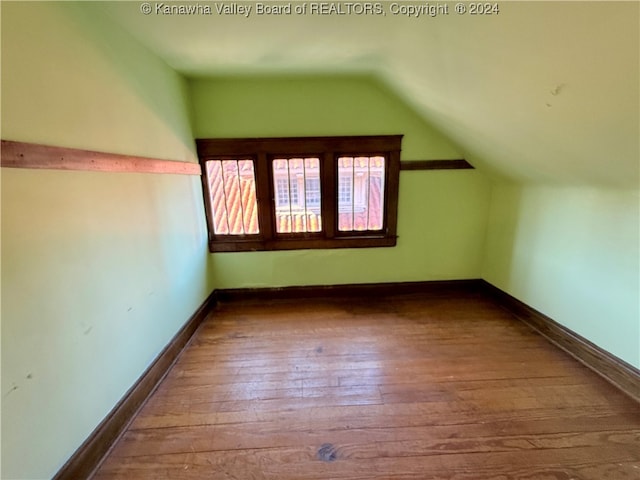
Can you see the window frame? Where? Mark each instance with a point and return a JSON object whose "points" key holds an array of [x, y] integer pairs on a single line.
{"points": [[327, 149]]}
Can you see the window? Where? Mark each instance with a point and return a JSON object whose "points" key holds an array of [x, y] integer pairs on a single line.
{"points": [[294, 213], [360, 193], [296, 193], [233, 206]]}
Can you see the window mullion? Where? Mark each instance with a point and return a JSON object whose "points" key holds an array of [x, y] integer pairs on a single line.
{"points": [[352, 188], [208, 199], [292, 222], [226, 203], [304, 194], [368, 187], [328, 197], [266, 205], [392, 170], [241, 192]]}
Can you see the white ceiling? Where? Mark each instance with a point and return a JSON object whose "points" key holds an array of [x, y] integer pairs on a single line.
{"points": [[543, 91]]}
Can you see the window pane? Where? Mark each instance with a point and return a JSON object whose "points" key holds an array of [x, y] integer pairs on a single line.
{"points": [[249, 202], [345, 203], [360, 193], [233, 197], [296, 183], [376, 193], [282, 192]]}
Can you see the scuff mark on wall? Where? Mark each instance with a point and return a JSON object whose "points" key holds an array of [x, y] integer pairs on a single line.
{"points": [[558, 89], [13, 388]]}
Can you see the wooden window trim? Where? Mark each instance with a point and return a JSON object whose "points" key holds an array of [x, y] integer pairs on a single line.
{"points": [[327, 149], [456, 164]]}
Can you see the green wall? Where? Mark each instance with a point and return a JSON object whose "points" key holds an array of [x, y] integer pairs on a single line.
{"points": [[571, 253], [442, 214], [99, 270]]}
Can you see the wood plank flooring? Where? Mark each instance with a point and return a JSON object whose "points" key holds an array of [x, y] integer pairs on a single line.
{"points": [[404, 387]]}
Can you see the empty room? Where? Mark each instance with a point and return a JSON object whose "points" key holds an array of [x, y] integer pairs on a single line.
{"points": [[320, 240]]}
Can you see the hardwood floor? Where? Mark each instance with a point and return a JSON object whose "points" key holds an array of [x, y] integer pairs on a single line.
{"points": [[404, 387]]}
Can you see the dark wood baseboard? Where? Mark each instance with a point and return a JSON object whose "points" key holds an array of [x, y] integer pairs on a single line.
{"points": [[445, 287], [621, 374], [89, 455]]}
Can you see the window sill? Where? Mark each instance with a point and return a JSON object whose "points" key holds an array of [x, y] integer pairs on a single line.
{"points": [[218, 246]]}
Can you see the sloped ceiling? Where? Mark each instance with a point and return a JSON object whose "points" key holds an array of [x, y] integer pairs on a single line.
{"points": [[542, 91]]}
